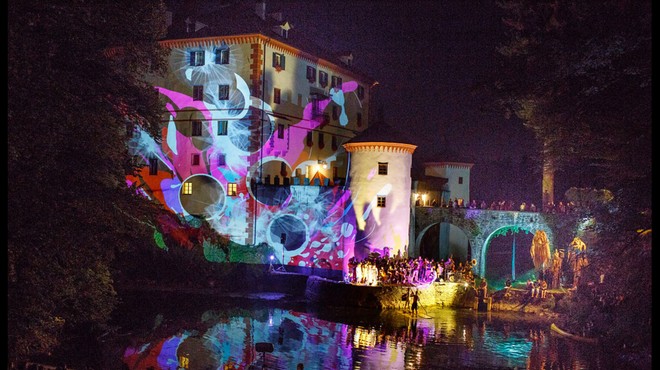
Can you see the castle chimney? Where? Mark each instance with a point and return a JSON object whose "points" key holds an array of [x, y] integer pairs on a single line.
{"points": [[260, 9]]}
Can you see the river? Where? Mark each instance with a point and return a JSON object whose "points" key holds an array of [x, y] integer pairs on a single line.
{"points": [[174, 331]]}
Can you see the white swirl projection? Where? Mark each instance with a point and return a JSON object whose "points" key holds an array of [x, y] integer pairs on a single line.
{"points": [[337, 96], [316, 220]]}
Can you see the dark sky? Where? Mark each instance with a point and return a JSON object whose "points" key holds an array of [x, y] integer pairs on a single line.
{"points": [[426, 56]]}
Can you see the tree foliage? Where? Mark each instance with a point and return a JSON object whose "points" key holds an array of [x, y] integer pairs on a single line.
{"points": [[578, 74], [70, 107]]}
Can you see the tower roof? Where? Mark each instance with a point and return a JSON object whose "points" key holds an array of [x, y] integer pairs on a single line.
{"points": [[382, 132]]}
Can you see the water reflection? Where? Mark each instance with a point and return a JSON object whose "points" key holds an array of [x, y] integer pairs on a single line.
{"points": [[223, 338]]}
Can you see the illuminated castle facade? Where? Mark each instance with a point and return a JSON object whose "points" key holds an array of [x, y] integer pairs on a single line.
{"points": [[255, 122]]}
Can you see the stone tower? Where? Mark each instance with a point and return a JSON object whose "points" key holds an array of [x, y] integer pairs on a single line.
{"points": [[380, 184]]}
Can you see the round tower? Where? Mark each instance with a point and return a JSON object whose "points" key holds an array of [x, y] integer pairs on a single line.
{"points": [[380, 185]]}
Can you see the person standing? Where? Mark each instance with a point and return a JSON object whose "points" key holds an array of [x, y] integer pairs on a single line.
{"points": [[415, 303]]}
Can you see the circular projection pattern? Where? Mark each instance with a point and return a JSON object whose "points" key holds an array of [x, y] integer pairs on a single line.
{"points": [[245, 133], [202, 195], [288, 230], [273, 190]]}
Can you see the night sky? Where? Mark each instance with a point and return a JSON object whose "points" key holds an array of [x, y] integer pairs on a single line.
{"points": [[427, 56]]}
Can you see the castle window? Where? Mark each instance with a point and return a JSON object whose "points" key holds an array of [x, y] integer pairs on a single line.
{"points": [[360, 92], [196, 128], [222, 127], [321, 141], [221, 56], [316, 107], [460, 180], [280, 131], [336, 82], [223, 92], [335, 146], [221, 159], [311, 74], [195, 159], [323, 78], [277, 93], [358, 118], [382, 168], [197, 58], [381, 201], [335, 112], [198, 92], [279, 61], [310, 140], [232, 189], [187, 188], [153, 166]]}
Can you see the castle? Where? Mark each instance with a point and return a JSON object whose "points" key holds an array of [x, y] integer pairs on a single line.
{"points": [[265, 135]]}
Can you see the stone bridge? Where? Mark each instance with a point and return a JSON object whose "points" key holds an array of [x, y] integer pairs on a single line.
{"points": [[480, 226]]}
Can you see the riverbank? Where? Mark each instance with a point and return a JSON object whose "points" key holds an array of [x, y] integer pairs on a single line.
{"points": [[299, 288]]}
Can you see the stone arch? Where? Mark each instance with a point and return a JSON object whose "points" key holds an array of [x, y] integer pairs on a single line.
{"points": [[417, 250], [479, 225], [419, 236], [481, 262], [430, 216]]}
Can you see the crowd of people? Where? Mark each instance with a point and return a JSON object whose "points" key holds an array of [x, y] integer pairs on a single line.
{"points": [[385, 270], [503, 205]]}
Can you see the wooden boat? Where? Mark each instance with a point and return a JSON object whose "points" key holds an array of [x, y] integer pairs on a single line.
{"points": [[554, 328]]}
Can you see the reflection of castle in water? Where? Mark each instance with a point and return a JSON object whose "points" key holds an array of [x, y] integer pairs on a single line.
{"points": [[222, 339]]}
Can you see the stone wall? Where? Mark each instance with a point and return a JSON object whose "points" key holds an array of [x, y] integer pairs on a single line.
{"points": [[329, 292]]}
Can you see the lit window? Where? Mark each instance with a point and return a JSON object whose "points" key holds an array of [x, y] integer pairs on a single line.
{"points": [[198, 92], [278, 61], [223, 92], [153, 166], [195, 159], [359, 119], [197, 58], [280, 131], [460, 180], [231, 189], [381, 201], [221, 56], [277, 93], [196, 128], [187, 188], [311, 74], [222, 127], [382, 168], [323, 79]]}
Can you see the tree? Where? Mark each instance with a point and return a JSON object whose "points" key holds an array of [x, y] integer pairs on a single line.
{"points": [[578, 74], [70, 107]]}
